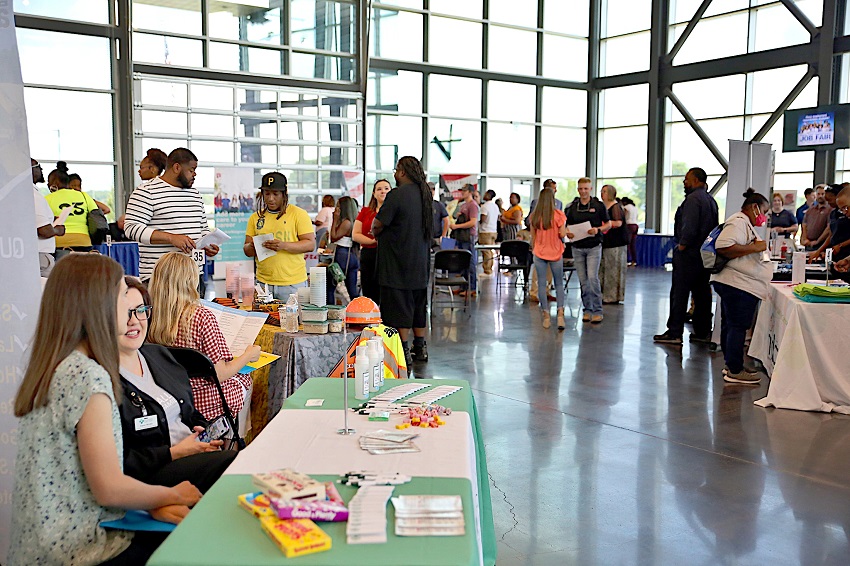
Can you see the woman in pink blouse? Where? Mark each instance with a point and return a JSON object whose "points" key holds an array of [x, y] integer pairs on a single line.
{"points": [[182, 321]]}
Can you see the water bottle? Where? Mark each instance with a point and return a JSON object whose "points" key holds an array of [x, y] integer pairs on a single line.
{"points": [[362, 373], [290, 323], [376, 362], [377, 343]]}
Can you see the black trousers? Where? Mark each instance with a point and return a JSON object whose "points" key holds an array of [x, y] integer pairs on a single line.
{"points": [[689, 278], [369, 285], [201, 469]]}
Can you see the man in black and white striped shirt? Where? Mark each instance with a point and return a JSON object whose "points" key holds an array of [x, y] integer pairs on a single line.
{"points": [[167, 214]]}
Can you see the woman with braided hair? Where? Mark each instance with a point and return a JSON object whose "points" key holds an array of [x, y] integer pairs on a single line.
{"points": [[403, 230]]}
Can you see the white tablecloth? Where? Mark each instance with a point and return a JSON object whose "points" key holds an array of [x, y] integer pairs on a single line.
{"points": [[804, 348]]}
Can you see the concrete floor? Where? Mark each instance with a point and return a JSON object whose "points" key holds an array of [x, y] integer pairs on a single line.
{"points": [[604, 448]]}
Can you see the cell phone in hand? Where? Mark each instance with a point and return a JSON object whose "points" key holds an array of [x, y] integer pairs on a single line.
{"points": [[216, 430]]}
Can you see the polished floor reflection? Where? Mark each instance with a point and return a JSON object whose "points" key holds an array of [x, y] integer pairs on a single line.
{"points": [[605, 448]]}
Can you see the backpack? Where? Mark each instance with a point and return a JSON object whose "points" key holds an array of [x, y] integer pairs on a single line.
{"points": [[712, 260]]}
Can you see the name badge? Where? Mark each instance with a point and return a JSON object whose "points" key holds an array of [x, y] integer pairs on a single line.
{"points": [[144, 423], [592, 210], [200, 257]]}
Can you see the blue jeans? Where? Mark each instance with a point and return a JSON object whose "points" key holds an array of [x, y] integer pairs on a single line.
{"points": [[586, 261], [282, 292], [349, 264], [737, 309], [472, 272], [557, 267]]}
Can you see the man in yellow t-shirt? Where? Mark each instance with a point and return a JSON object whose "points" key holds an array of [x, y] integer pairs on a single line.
{"points": [[290, 236]]}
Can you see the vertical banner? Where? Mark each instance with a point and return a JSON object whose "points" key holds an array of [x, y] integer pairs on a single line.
{"points": [[453, 183], [234, 200], [20, 289]]}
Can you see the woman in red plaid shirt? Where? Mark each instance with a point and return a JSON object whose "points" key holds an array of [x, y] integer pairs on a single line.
{"points": [[182, 321]]}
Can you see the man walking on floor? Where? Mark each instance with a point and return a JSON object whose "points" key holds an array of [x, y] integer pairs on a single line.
{"points": [[696, 217], [487, 228]]}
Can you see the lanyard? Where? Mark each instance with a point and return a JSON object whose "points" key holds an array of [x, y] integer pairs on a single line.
{"points": [[136, 400]]}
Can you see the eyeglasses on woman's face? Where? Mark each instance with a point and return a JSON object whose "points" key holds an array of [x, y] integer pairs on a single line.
{"points": [[142, 312]]}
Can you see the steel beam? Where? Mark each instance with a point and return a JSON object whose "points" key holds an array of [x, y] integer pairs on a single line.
{"points": [[825, 160], [122, 74], [653, 198], [593, 47], [206, 74], [801, 16], [692, 23]]}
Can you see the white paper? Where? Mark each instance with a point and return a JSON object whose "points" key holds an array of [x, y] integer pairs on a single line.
{"points": [[579, 231], [216, 237], [240, 328], [798, 268], [262, 251], [66, 212]]}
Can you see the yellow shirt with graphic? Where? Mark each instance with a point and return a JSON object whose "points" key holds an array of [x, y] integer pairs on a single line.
{"points": [[284, 268], [77, 224]]}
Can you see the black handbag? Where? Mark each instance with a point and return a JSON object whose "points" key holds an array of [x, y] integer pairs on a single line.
{"points": [[462, 235], [98, 226]]}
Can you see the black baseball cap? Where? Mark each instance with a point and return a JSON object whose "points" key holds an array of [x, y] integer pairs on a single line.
{"points": [[274, 182]]}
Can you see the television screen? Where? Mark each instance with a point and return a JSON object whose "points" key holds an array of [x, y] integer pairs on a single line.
{"points": [[824, 127]]}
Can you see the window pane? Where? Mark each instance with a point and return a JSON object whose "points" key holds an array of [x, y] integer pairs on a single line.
{"points": [[175, 16], [64, 59], [95, 11], [454, 96], [467, 8], [562, 152], [517, 13], [310, 66], [626, 16], [238, 21], [564, 58], [163, 50], [813, 9], [213, 151], [622, 151], [405, 3], [625, 54], [792, 161], [55, 132], [212, 97], [567, 17], [211, 125], [771, 87], [511, 101], [624, 106], [324, 25], [250, 127], [459, 140], [776, 27], [709, 98], [703, 43], [396, 35], [448, 52], [161, 122], [686, 150], [564, 107], [155, 93], [391, 137], [683, 10], [512, 51], [399, 91], [634, 188], [257, 153], [510, 149]]}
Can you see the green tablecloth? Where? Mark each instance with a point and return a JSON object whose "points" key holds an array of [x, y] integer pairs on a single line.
{"points": [[217, 532], [331, 391]]}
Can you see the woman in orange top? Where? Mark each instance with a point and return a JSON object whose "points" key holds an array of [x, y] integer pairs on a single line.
{"points": [[548, 228]]}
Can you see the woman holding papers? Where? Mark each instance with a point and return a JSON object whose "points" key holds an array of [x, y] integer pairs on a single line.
{"points": [[182, 321], [158, 417], [548, 228], [587, 219], [742, 283], [68, 471]]}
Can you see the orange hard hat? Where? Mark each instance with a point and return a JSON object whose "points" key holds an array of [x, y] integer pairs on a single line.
{"points": [[362, 310]]}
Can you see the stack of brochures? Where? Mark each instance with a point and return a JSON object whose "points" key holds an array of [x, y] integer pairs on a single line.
{"points": [[388, 442], [428, 516]]}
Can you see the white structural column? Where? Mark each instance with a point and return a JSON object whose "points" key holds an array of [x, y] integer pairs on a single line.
{"points": [[20, 289]]}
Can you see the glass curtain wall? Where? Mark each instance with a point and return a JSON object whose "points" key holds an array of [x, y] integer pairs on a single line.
{"points": [[469, 96]]}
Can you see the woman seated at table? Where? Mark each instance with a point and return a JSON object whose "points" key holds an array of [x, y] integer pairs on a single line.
{"points": [[182, 321], [782, 222], [742, 282], [68, 472], [158, 417]]}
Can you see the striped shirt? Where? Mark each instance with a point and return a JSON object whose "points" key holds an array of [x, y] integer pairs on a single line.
{"points": [[157, 205]]}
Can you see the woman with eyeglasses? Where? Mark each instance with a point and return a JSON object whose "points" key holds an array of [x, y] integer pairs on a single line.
{"points": [[69, 474], [182, 321], [158, 417]]}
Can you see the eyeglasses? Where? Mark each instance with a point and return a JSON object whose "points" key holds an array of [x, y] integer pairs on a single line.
{"points": [[142, 312], [844, 209]]}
